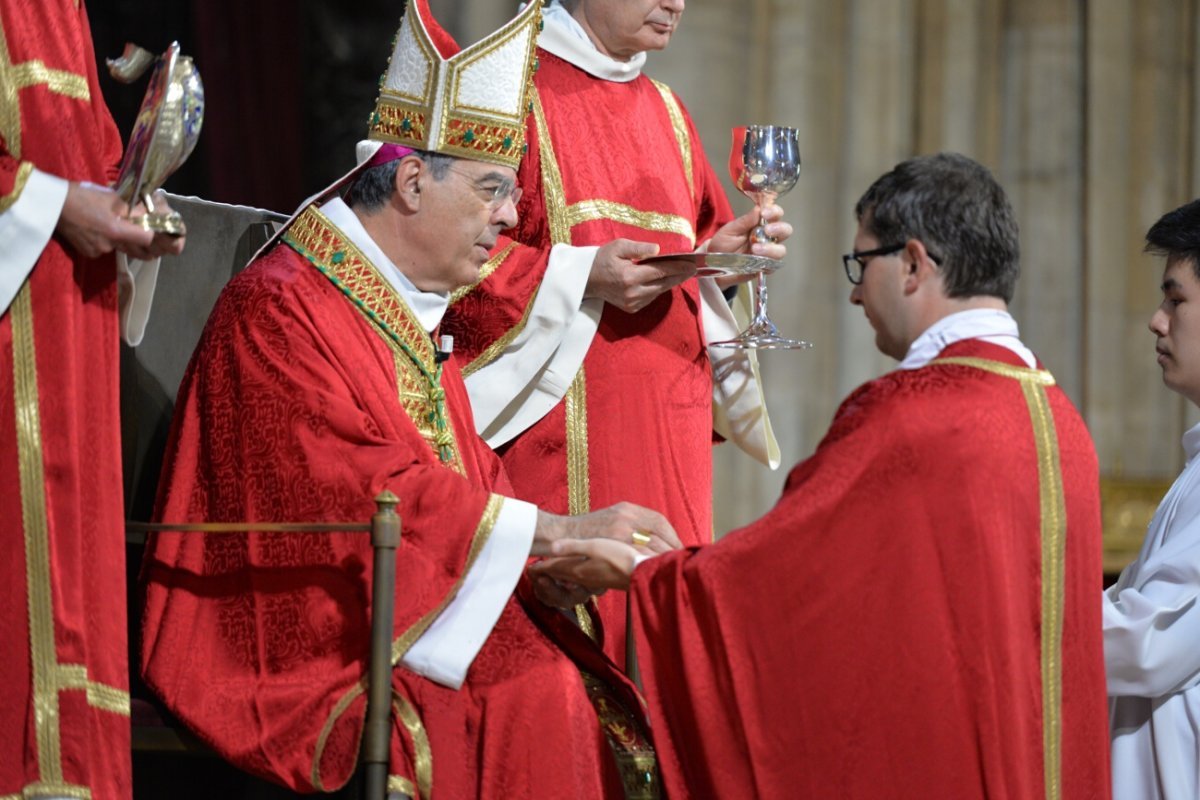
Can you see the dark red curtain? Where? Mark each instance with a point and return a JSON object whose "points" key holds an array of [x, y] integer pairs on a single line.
{"points": [[251, 56]]}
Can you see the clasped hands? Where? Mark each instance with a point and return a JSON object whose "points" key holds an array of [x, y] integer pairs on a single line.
{"points": [[619, 280], [590, 553], [95, 221]]}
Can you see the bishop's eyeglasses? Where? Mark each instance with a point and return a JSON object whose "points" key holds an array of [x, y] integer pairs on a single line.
{"points": [[494, 191]]}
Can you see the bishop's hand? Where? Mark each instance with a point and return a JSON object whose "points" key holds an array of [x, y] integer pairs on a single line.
{"points": [[595, 564], [623, 522]]}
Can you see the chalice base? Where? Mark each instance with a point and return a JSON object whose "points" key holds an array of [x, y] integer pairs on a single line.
{"points": [[762, 335]]}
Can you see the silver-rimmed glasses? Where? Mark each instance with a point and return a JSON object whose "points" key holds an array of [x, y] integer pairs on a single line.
{"points": [[494, 191]]}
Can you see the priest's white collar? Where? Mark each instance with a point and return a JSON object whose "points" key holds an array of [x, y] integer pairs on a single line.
{"points": [[566, 38], [429, 307], [990, 324]]}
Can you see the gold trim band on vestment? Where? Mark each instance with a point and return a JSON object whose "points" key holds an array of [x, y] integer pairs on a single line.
{"points": [[679, 126], [1053, 513], [579, 491], [34, 512], [1039, 376], [422, 752], [99, 695], [583, 616], [23, 173], [15, 77], [68, 84], [49, 677], [1052, 505], [483, 532], [593, 210], [320, 240], [552, 183], [35, 524], [339, 708], [398, 783], [418, 373], [578, 483], [41, 790]]}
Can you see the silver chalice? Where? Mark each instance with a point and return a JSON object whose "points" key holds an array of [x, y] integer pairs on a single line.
{"points": [[764, 163]]}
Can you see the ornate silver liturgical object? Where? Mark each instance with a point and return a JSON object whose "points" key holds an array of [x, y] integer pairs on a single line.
{"points": [[166, 130]]}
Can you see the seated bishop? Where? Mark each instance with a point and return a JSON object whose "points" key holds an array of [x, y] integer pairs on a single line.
{"points": [[316, 385]]}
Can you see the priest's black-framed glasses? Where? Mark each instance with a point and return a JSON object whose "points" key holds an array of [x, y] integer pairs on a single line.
{"points": [[855, 263]]}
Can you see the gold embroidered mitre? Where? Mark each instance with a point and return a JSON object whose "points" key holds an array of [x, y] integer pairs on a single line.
{"points": [[469, 103]]}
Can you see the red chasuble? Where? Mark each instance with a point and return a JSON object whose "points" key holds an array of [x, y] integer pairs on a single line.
{"points": [[64, 722], [916, 618], [609, 160], [303, 401]]}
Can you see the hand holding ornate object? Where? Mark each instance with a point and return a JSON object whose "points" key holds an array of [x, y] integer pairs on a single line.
{"points": [[166, 130]]}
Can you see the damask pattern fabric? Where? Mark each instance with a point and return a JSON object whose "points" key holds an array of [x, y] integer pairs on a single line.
{"points": [[296, 408], [605, 162], [880, 632]]}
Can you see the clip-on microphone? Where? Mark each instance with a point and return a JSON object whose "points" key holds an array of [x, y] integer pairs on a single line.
{"points": [[444, 349]]}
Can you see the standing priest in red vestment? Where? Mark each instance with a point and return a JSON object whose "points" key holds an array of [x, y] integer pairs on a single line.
{"points": [[64, 721], [917, 616], [321, 380], [579, 360]]}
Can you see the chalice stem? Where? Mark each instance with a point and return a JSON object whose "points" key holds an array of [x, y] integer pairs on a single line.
{"points": [[761, 320]]}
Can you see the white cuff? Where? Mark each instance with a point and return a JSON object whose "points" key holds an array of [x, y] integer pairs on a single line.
{"points": [[533, 373], [739, 407], [135, 292], [445, 651], [26, 228]]}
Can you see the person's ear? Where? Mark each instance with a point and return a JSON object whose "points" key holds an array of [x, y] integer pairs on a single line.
{"points": [[920, 267], [410, 173]]}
